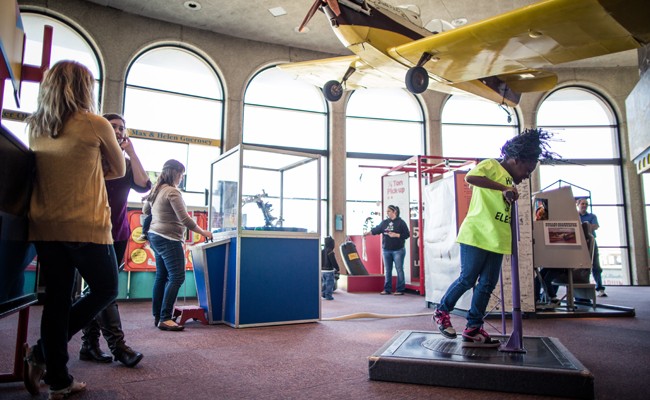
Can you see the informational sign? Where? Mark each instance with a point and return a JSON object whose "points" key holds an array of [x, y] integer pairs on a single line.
{"points": [[396, 192], [140, 256], [561, 233]]}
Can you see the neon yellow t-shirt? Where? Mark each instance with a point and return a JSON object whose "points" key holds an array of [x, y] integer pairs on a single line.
{"points": [[487, 224]]}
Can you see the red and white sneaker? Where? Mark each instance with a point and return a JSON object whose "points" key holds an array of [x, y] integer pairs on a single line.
{"points": [[441, 318], [477, 337]]}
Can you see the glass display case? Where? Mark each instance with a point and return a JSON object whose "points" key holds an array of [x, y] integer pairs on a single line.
{"points": [[261, 189], [263, 265]]}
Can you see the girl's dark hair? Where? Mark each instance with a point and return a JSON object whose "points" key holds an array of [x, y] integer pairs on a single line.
{"points": [[394, 209], [329, 243], [165, 178], [112, 116], [529, 145]]}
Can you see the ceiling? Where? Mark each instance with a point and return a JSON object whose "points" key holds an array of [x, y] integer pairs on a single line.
{"points": [[251, 19]]}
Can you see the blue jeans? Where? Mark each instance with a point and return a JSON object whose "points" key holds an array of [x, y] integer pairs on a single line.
{"points": [[61, 319], [327, 284], [170, 275], [475, 263], [397, 257]]}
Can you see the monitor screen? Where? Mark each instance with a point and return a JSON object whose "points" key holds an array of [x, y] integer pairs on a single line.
{"points": [[17, 266]]}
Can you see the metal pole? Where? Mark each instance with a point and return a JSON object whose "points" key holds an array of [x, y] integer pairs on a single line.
{"points": [[515, 343]]}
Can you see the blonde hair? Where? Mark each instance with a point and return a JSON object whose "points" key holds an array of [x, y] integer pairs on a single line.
{"points": [[67, 88]]}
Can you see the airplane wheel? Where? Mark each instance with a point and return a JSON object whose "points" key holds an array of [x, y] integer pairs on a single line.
{"points": [[417, 80], [333, 91]]}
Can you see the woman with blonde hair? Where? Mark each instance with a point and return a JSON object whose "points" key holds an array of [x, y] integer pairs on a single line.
{"points": [[69, 217], [169, 219]]}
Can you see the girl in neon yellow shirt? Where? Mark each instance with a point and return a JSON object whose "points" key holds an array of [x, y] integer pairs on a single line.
{"points": [[485, 235]]}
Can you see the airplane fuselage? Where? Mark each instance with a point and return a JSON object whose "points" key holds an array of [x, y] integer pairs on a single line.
{"points": [[372, 33]]}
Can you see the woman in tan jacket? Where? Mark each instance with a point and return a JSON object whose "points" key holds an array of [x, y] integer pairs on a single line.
{"points": [[166, 234], [69, 217]]}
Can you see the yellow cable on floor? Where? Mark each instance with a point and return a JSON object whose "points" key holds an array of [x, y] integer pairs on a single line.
{"points": [[372, 315]]}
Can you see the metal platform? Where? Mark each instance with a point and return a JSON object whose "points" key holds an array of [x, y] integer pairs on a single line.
{"points": [[546, 368]]}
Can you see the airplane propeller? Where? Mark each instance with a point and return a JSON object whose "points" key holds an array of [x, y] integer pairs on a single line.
{"points": [[333, 5]]}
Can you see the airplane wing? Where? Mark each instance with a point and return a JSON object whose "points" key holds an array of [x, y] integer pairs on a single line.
{"points": [[317, 72], [519, 42]]}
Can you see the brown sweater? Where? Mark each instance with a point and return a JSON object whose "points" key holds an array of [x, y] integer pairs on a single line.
{"points": [[69, 201], [169, 215]]}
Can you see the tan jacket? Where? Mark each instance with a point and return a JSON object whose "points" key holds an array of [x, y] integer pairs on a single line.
{"points": [[69, 201]]}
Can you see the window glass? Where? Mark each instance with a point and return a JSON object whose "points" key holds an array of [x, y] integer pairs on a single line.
{"points": [[173, 92], [591, 178], [176, 70], [288, 114], [384, 104], [477, 128], [384, 136], [273, 87], [384, 121], [364, 191], [285, 128], [575, 107], [587, 139], [67, 44], [384, 127]]}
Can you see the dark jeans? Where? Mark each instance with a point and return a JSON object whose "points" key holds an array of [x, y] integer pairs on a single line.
{"points": [[170, 275], [596, 270], [396, 257], [547, 275], [61, 319], [108, 321], [475, 263]]}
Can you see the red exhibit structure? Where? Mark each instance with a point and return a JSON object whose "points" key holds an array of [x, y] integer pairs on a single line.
{"points": [[422, 170]]}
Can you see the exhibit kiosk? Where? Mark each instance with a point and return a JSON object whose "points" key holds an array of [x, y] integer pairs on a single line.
{"points": [[263, 265]]}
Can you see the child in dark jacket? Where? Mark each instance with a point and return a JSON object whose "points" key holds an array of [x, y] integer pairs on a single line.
{"points": [[329, 269]]}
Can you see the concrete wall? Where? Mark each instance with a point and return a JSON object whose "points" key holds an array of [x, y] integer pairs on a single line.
{"points": [[119, 37]]}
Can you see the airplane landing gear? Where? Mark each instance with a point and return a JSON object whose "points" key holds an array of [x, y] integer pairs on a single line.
{"points": [[333, 90], [417, 79]]}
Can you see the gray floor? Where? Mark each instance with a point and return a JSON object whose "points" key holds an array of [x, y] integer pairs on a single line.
{"points": [[329, 359]]}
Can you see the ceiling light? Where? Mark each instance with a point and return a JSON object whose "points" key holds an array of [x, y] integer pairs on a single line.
{"points": [[277, 11], [459, 21], [192, 5]]}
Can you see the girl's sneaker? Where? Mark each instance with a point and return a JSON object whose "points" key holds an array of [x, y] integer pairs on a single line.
{"points": [[441, 318], [477, 337]]}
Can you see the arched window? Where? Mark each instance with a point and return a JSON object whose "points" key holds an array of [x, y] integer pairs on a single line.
{"points": [[173, 106], [472, 127], [587, 137], [383, 128], [284, 113], [68, 43]]}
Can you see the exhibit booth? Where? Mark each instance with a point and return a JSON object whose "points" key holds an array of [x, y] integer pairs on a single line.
{"points": [[263, 265]]}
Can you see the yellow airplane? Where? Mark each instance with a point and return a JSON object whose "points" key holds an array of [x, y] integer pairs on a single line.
{"points": [[498, 58]]}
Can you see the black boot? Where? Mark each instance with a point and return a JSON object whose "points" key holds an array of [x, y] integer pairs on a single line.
{"points": [[111, 325], [92, 352], [127, 356]]}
